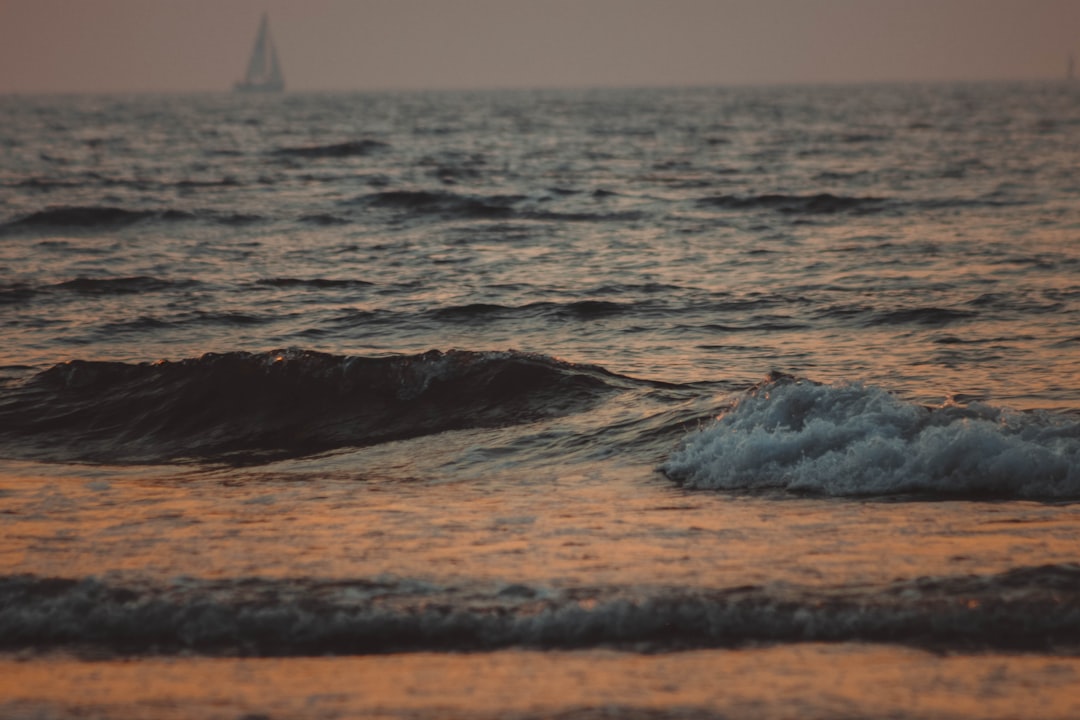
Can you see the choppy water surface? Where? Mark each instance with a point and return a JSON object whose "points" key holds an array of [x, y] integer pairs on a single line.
{"points": [[653, 383]]}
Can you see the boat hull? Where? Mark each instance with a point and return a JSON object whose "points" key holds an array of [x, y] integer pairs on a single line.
{"points": [[246, 87]]}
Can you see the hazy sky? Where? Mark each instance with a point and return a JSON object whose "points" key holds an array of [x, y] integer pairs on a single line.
{"points": [[182, 45]]}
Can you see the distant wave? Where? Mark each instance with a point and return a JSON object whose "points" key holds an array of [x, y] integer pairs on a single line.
{"points": [[1024, 609], [827, 203], [91, 216], [323, 219], [452, 205], [820, 203], [97, 217], [352, 148], [19, 292], [577, 310], [871, 316], [249, 407], [922, 316], [137, 284], [854, 440], [288, 282], [444, 203], [120, 285], [193, 318]]}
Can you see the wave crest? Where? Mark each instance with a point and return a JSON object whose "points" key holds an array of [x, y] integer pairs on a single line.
{"points": [[855, 440]]}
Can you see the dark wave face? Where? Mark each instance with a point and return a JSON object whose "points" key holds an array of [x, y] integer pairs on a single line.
{"points": [[854, 440], [1025, 609], [242, 407]]}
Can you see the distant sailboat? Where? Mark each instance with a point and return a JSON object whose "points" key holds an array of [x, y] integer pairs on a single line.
{"points": [[263, 70]]}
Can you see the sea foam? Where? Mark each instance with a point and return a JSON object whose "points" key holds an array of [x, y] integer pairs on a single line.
{"points": [[1027, 608], [858, 440]]}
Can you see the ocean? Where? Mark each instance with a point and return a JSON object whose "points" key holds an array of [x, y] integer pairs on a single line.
{"points": [[754, 402]]}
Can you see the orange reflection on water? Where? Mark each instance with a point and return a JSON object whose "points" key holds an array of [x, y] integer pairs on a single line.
{"points": [[612, 527], [787, 681]]}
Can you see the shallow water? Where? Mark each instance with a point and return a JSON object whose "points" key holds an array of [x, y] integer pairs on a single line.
{"points": [[804, 680], [541, 403]]}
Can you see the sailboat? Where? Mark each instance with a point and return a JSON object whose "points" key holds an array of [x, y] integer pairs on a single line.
{"points": [[263, 70]]}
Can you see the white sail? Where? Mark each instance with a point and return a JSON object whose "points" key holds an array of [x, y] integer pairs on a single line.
{"points": [[275, 69], [263, 70]]}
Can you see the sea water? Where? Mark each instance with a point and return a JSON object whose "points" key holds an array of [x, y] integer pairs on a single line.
{"points": [[744, 402]]}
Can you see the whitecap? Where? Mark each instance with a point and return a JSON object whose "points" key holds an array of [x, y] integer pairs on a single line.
{"points": [[858, 440]]}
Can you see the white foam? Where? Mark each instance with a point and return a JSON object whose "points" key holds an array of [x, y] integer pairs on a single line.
{"points": [[859, 440]]}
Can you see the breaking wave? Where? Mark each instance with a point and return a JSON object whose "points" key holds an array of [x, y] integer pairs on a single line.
{"points": [[856, 440], [244, 408], [1029, 609]]}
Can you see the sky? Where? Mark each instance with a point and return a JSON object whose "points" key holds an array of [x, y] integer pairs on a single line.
{"points": [[62, 46]]}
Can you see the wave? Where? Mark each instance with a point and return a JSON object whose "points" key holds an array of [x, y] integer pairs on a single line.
{"points": [[17, 292], [42, 183], [828, 204], [871, 316], [922, 316], [319, 283], [24, 292], [244, 408], [821, 203], [856, 440], [91, 216], [1024, 609], [97, 217], [323, 219], [577, 310], [443, 203], [120, 285], [352, 148], [451, 205], [195, 184], [195, 318]]}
